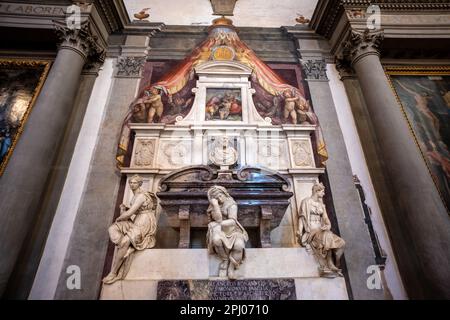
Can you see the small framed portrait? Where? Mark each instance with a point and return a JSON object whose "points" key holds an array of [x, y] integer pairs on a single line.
{"points": [[223, 104]]}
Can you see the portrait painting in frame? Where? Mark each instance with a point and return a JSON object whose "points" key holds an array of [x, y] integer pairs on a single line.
{"points": [[223, 104], [424, 96], [20, 83]]}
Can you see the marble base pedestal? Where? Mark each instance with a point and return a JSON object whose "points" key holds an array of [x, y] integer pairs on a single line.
{"points": [[151, 266]]}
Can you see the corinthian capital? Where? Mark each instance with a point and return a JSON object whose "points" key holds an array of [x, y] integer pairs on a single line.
{"points": [[315, 69], [130, 67], [81, 40], [360, 44], [344, 68]]}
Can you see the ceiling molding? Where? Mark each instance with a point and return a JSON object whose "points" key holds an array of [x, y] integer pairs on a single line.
{"points": [[329, 12]]}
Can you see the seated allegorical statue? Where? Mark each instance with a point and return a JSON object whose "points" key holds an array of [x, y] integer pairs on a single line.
{"points": [[134, 229], [226, 237], [315, 233]]}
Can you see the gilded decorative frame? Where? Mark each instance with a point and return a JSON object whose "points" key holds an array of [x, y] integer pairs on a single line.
{"points": [[424, 70], [18, 64]]}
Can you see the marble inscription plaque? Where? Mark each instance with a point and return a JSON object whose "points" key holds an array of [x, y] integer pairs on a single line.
{"points": [[261, 289]]}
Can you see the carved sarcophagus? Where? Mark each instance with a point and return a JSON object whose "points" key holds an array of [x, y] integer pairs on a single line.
{"points": [[262, 197]]}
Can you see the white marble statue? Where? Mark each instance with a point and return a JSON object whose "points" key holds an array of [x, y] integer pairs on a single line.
{"points": [[226, 237], [315, 233], [134, 229]]}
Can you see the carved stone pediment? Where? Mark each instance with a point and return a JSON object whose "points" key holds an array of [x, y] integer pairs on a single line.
{"points": [[223, 68]]}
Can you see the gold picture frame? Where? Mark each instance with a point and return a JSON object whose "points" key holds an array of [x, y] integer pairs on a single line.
{"points": [[401, 90], [21, 81]]}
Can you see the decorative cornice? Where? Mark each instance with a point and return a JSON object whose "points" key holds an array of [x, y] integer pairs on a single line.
{"points": [[129, 67], [399, 4], [107, 10], [328, 12], [300, 32], [361, 44], [325, 17], [80, 40], [143, 28], [109, 14], [314, 69]]}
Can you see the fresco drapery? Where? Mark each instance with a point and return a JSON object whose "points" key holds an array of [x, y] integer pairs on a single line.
{"points": [[178, 82]]}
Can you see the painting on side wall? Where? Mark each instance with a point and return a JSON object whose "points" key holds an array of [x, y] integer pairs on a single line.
{"points": [[424, 94], [20, 84]]}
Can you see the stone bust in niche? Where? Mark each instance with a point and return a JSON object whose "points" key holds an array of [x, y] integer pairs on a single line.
{"points": [[314, 233]]}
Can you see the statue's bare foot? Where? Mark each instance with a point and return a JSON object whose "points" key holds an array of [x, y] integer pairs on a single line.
{"points": [[334, 268], [326, 272], [223, 268], [232, 272], [232, 269], [110, 278]]}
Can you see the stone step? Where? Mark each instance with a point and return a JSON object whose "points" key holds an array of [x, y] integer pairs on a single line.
{"points": [[261, 263], [305, 289], [150, 266]]}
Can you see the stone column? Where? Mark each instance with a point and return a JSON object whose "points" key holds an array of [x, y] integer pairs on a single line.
{"points": [[23, 182], [358, 251], [366, 134], [21, 280], [419, 229], [88, 242], [368, 139]]}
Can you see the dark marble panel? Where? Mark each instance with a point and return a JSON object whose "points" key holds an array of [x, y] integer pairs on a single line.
{"points": [[261, 289]]}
